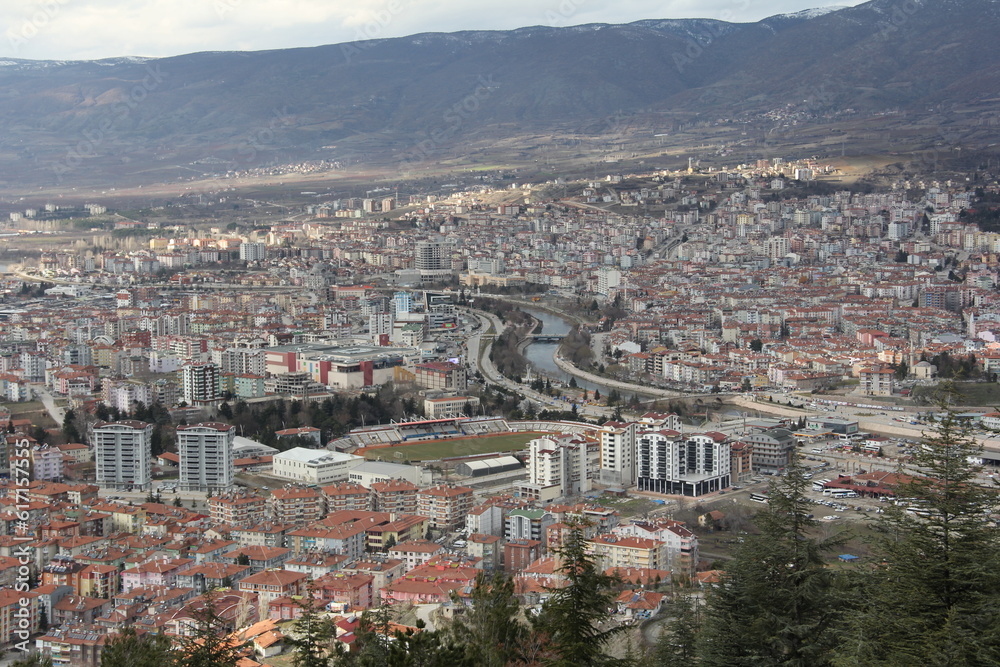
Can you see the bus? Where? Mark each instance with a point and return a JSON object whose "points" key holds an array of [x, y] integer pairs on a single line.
{"points": [[758, 497]]}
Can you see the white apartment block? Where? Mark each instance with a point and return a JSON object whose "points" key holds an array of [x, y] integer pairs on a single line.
{"points": [[690, 465], [560, 465], [206, 456], [618, 453], [200, 383], [123, 453]]}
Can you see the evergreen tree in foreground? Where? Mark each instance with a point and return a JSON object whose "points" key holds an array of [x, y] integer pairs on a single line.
{"points": [[211, 644], [129, 649], [777, 603], [934, 598], [489, 629], [311, 641], [573, 618]]}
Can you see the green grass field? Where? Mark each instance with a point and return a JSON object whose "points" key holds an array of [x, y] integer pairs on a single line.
{"points": [[442, 449]]}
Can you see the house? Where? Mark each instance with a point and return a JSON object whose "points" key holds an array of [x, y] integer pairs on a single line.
{"points": [[273, 584], [639, 604]]}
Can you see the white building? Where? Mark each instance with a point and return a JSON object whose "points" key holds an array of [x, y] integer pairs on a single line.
{"points": [[314, 466], [607, 280], [206, 454], [370, 472], [690, 465], [618, 453], [560, 465], [123, 453], [253, 252], [200, 383]]}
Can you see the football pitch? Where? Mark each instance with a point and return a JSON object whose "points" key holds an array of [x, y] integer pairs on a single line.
{"points": [[442, 449]]}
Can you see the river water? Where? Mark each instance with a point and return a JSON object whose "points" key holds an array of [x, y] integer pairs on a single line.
{"points": [[540, 354]]}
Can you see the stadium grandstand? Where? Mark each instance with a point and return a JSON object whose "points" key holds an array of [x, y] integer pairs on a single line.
{"points": [[404, 432]]}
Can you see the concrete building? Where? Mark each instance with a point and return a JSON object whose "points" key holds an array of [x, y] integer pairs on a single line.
{"points": [[618, 453], [200, 384], [772, 449], [690, 465], [314, 466], [123, 453], [445, 506], [560, 465], [206, 456]]}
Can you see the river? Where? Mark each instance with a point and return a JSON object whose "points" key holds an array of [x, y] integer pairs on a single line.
{"points": [[540, 354]]}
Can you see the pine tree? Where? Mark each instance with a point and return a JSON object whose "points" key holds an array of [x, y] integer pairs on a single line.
{"points": [[777, 603], [934, 598], [313, 633], [211, 644], [490, 629], [128, 649], [678, 641], [573, 615]]}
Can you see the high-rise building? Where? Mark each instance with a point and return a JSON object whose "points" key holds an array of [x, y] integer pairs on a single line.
{"points": [[200, 383], [206, 453], [690, 465], [402, 302], [253, 252], [560, 465], [123, 452], [618, 453], [431, 256]]}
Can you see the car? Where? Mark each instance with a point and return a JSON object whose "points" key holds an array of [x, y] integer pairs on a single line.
{"points": [[830, 517]]}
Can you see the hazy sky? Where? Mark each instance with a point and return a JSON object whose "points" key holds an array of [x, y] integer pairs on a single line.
{"points": [[86, 29]]}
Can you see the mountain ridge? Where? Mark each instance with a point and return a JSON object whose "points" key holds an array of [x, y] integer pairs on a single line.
{"points": [[378, 100]]}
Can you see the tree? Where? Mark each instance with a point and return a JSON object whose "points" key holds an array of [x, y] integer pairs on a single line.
{"points": [[756, 345], [129, 649], [902, 370], [677, 644], [311, 641], [933, 598], [490, 629], [572, 617], [69, 429], [211, 644], [32, 661], [777, 603]]}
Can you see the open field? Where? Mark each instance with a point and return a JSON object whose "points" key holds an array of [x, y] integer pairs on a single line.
{"points": [[440, 449], [984, 394]]}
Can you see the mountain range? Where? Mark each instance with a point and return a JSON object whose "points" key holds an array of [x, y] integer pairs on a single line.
{"points": [[420, 97]]}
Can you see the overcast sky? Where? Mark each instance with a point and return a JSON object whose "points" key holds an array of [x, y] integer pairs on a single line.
{"points": [[88, 29]]}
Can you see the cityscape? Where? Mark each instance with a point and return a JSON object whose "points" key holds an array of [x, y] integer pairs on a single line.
{"points": [[506, 394]]}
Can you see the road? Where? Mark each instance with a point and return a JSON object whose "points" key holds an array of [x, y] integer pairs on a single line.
{"points": [[57, 413], [479, 356]]}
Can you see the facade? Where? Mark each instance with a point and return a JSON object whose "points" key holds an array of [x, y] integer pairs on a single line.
{"points": [[200, 383], [772, 449], [314, 466], [440, 375], [445, 506], [560, 465], [618, 453], [691, 465], [450, 406], [296, 505], [877, 381], [123, 453], [206, 456], [237, 508]]}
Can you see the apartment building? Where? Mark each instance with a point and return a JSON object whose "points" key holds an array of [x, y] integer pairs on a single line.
{"points": [[123, 453], [445, 506], [206, 456]]}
